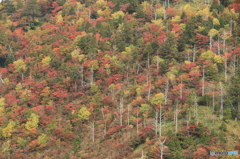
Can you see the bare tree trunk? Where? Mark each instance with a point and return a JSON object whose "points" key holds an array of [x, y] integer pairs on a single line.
{"points": [[155, 14], [89, 13], [194, 53], [234, 64], [176, 118], [93, 131], [75, 86], [225, 69], [10, 48], [221, 108], [210, 42], [1, 78], [91, 78], [164, 12], [128, 114], [137, 123], [149, 87], [105, 124], [196, 109], [166, 92], [213, 101], [148, 61], [231, 27], [189, 119], [143, 156], [127, 77], [22, 76], [157, 65], [238, 103], [138, 69], [161, 121], [224, 42], [82, 74], [162, 147], [203, 85], [181, 89], [121, 111], [156, 122]]}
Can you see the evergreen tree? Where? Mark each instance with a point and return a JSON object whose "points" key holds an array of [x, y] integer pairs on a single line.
{"points": [[225, 3], [188, 36], [32, 10], [234, 90], [169, 48], [215, 6]]}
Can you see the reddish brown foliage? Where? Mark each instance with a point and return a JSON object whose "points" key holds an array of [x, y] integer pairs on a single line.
{"points": [[202, 40], [62, 135], [115, 78], [11, 99], [60, 94], [200, 154], [70, 106], [125, 7], [110, 4], [235, 6], [46, 119], [113, 130]]}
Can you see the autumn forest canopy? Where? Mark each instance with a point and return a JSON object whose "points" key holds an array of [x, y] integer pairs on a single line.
{"points": [[101, 79]]}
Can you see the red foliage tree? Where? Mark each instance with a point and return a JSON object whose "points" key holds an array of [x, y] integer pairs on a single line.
{"points": [[60, 94], [235, 6], [202, 40], [70, 106], [124, 7], [11, 99], [201, 153]]}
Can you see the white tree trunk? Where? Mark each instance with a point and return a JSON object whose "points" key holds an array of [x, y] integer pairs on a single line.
{"points": [[149, 87], [166, 92], [210, 42], [137, 124], [194, 53], [161, 121], [105, 124], [181, 91], [93, 131], [203, 85], [82, 75], [1, 78], [121, 111], [91, 78], [213, 101], [221, 108], [196, 109], [128, 114], [161, 145], [156, 122], [219, 49], [177, 111], [225, 69]]}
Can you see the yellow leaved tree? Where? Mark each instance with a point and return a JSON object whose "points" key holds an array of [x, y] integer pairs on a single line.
{"points": [[158, 99], [7, 131], [2, 104], [32, 121], [84, 114], [20, 66], [46, 61], [118, 14]]}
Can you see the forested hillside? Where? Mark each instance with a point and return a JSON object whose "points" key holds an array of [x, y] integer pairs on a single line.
{"points": [[101, 79]]}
